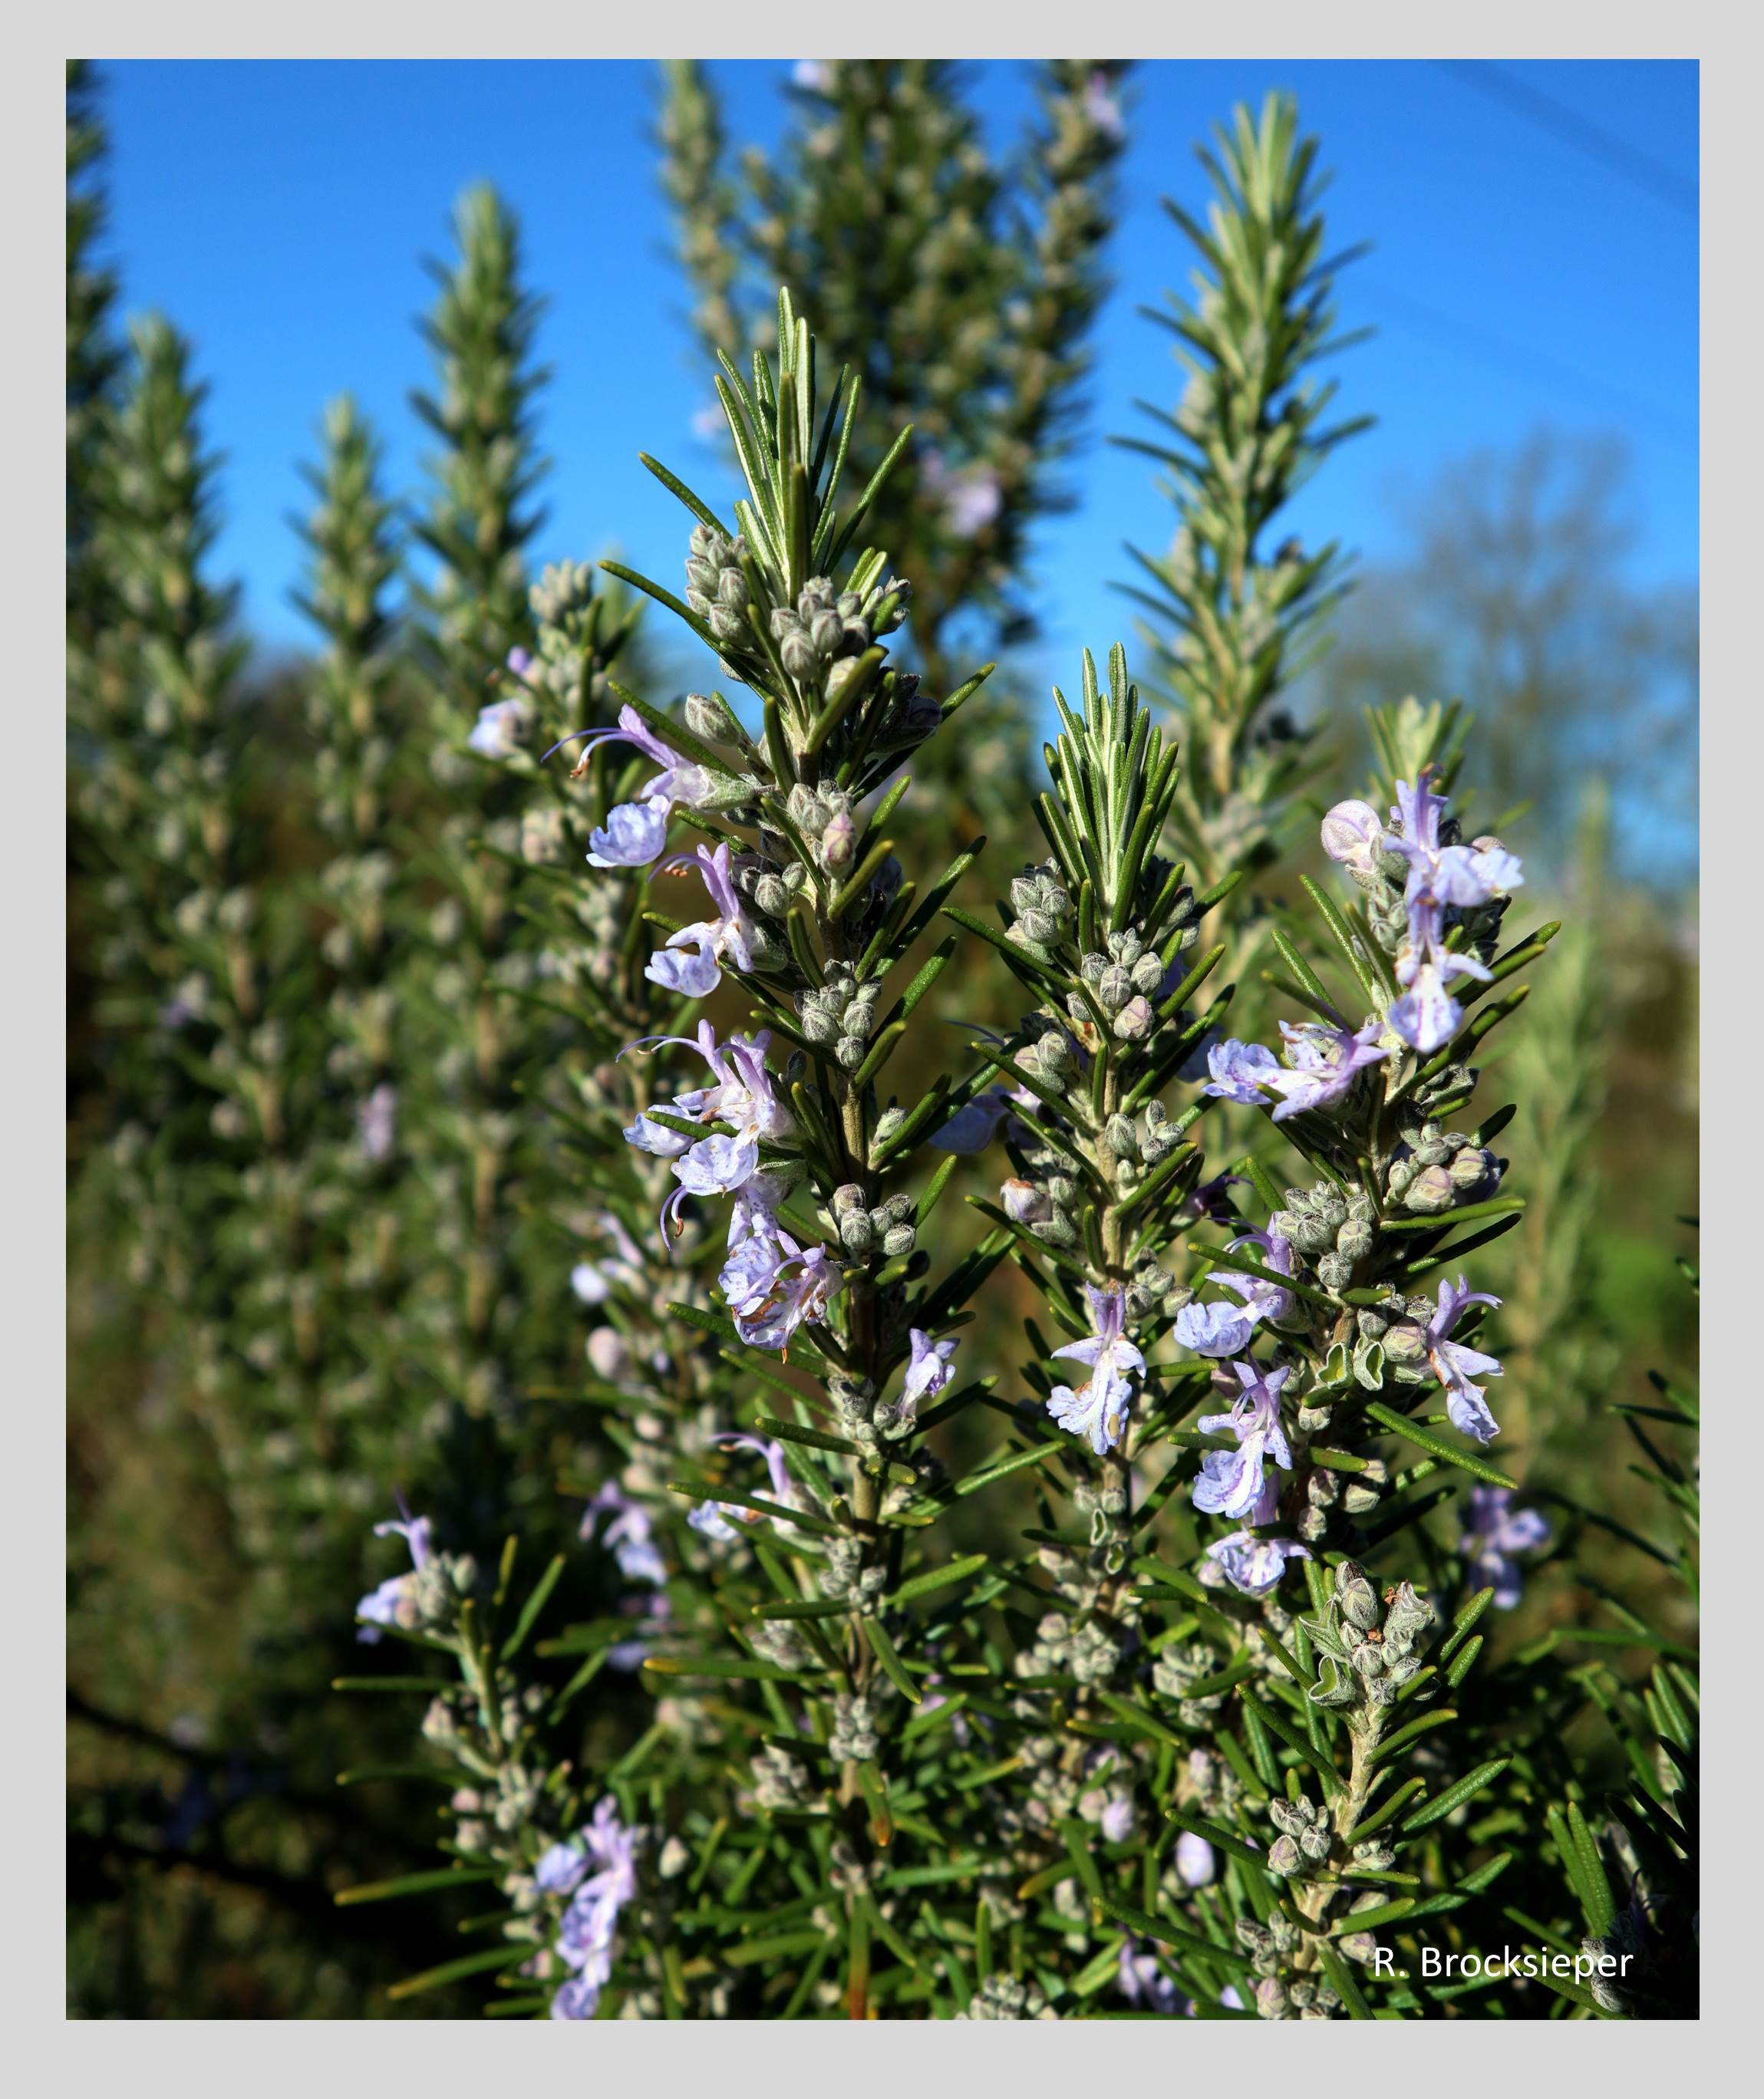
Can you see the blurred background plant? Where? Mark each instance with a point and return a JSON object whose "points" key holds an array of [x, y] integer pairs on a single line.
{"points": [[340, 1030]]}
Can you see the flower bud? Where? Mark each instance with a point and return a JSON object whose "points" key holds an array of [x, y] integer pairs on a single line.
{"points": [[1119, 1135], [1283, 1857], [1430, 1192], [1357, 1598], [1404, 1345], [1470, 1169], [1023, 1203], [1133, 1022]]}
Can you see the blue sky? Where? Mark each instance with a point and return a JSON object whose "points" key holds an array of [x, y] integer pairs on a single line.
{"points": [[277, 211]]}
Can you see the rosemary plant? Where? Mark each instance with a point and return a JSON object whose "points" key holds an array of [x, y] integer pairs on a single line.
{"points": [[1180, 1746]]}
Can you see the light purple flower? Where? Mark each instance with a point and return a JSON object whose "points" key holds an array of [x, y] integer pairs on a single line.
{"points": [[1454, 1365], [389, 1604], [1097, 1410], [772, 1286], [1142, 1981], [629, 1534], [690, 963], [594, 1281], [927, 1372], [1252, 1565], [1427, 1016], [717, 1519], [1230, 1481], [1195, 1862], [1215, 1329], [1461, 875], [1118, 1819], [974, 501], [1325, 1061], [1263, 1301], [1103, 110], [634, 832], [377, 1120], [815, 74], [561, 1868], [1497, 1532], [742, 1095], [499, 728], [632, 835], [586, 1934], [578, 1999], [1239, 1070]]}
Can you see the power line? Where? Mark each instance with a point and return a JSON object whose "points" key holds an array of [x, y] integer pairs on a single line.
{"points": [[1489, 78], [1497, 349]]}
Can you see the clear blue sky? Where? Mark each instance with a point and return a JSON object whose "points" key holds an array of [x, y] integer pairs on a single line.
{"points": [[1523, 271]]}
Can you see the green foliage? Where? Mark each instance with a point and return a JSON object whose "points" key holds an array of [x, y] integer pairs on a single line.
{"points": [[1234, 620]]}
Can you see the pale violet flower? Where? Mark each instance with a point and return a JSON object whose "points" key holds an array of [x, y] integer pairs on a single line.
{"points": [[1240, 1070], [1325, 1061], [1141, 1981], [1252, 1565], [633, 834], [1194, 1863], [1427, 1015], [814, 74], [717, 1519], [1103, 110], [772, 1286], [1262, 1300], [629, 1535], [1230, 1481], [1455, 1366], [1097, 1410], [500, 727], [377, 1120], [392, 1603], [579, 1997], [741, 1096], [974, 501], [594, 1281], [928, 1371], [562, 1868], [586, 1934], [1461, 875], [1117, 1821], [690, 963], [1498, 1531], [1215, 1329]]}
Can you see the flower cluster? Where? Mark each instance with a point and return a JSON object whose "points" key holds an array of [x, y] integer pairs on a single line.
{"points": [[597, 1870]]}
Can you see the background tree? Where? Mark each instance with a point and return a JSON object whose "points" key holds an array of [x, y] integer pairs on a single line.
{"points": [[959, 285]]}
